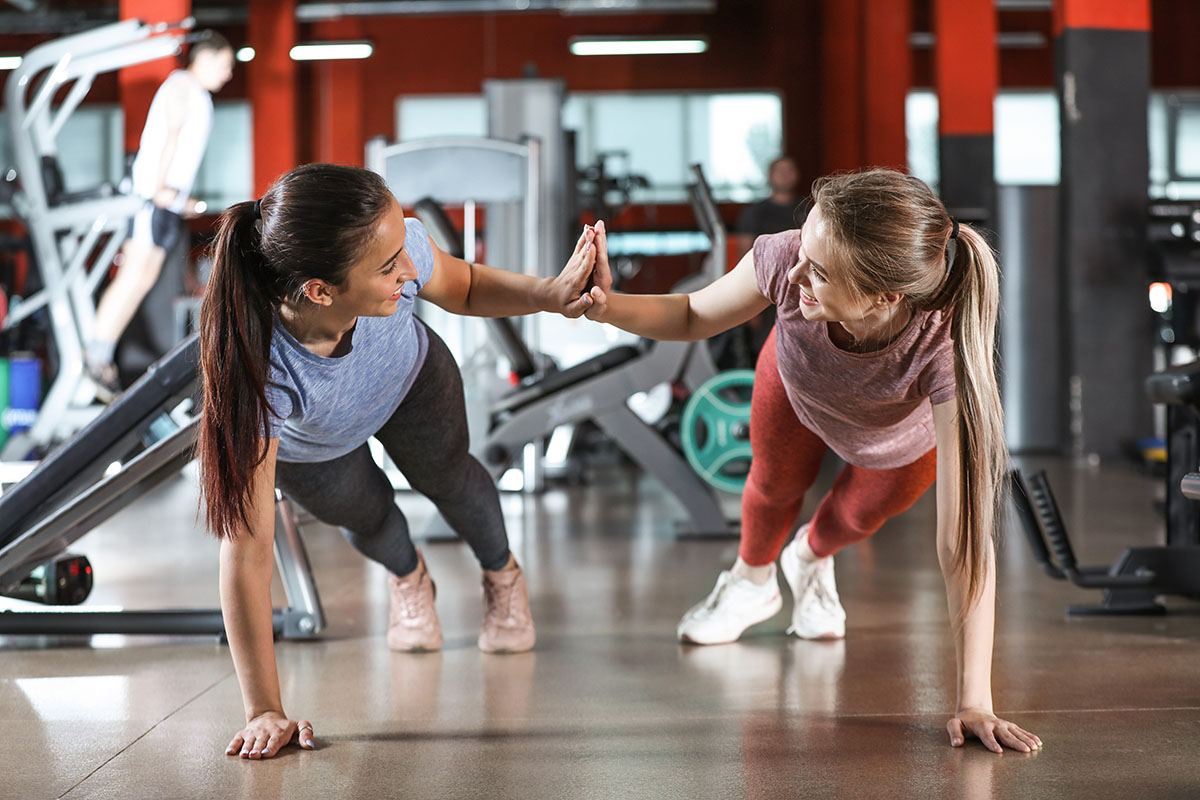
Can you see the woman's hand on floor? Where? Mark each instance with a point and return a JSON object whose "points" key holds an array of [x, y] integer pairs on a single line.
{"points": [[995, 733], [268, 733]]}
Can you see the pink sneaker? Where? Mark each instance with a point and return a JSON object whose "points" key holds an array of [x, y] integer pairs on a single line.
{"points": [[412, 622], [507, 623]]}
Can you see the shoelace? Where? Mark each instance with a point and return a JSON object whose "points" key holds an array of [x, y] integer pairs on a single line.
{"points": [[412, 598], [714, 598], [820, 590], [500, 595]]}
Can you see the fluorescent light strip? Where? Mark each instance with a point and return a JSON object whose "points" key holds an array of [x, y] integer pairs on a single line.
{"points": [[330, 51], [10, 62], [245, 54], [637, 47]]}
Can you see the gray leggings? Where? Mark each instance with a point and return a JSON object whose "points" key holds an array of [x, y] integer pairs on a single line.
{"points": [[427, 438]]}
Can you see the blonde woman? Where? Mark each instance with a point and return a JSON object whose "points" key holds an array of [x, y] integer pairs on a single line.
{"points": [[883, 352]]}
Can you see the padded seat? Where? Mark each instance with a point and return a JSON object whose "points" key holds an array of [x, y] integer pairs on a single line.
{"points": [[557, 381], [35, 494], [1175, 386], [56, 193]]}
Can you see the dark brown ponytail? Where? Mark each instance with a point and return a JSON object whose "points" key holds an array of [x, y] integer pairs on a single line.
{"points": [[235, 340]]}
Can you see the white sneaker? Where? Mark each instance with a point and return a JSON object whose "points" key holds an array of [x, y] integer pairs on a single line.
{"points": [[733, 605], [817, 613]]}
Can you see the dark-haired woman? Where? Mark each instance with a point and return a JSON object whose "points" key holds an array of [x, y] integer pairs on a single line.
{"points": [[309, 347]]}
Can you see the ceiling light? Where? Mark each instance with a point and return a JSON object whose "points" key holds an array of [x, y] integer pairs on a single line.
{"points": [[329, 51], [245, 54], [624, 46], [10, 62]]}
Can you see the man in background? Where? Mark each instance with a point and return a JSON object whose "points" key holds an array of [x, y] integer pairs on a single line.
{"points": [[169, 154], [777, 212], [774, 214]]}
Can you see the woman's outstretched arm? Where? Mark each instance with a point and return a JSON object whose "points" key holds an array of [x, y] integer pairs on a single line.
{"points": [[247, 563]]}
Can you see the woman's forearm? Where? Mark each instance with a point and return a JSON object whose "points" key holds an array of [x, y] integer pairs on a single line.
{"points": [[500, 293], [973, 640], [655, 316], [246, 607]]}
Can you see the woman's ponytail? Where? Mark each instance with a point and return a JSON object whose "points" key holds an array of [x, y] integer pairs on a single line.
{"points": [[974, 280], [236, 320]]}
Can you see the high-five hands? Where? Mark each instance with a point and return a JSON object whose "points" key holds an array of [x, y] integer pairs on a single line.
{"points": [[567, 294], [602, 281]]}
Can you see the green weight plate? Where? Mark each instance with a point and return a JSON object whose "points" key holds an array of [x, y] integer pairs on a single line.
{"points": [[715, 430]]}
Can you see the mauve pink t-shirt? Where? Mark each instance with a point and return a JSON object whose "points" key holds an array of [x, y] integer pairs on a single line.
{"points": [[872, 409]]}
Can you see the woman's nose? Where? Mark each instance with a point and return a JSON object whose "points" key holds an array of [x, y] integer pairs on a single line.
{"points": [[408, 271]]}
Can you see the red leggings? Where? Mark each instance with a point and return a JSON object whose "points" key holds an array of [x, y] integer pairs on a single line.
{"points": [[787, 457]]}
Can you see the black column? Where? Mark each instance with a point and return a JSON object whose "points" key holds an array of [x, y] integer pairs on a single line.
{"points": [[1103, 84]]}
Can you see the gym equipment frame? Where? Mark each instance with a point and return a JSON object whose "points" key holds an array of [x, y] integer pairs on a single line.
{"points": [[69, 232], [74, 490]]}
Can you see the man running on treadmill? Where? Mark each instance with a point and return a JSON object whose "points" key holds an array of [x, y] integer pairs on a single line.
{"points": [[169, 154]]}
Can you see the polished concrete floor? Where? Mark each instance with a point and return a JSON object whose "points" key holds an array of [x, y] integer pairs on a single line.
{"points": [[609, 705]]}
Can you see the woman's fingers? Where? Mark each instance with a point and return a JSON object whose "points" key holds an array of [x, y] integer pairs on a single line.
{"points": [[603, 276], [259, 743], [598, 302], [584, 238], [1009, 737], [988, 737], [305, 734], [275, 743], [955, 728], [578, 307]]}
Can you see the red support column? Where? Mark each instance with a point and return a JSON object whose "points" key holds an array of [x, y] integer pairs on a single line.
{"points": [[966, 75], [340, 121], [139, 82], [886, 77], [271, 84], [1113, 15], [966, 65], [840, 112]]}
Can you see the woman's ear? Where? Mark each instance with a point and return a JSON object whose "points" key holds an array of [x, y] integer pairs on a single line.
{"points": [[318, 292], [889, 299]]}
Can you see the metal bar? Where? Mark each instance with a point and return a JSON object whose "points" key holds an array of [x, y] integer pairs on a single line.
{"points": [[195, 622], [296, 573], [645, 446], [70, 103], [104, 499], [313, 12]]}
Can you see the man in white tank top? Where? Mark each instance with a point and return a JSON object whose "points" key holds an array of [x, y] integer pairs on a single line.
{"points": [[168, 157]]}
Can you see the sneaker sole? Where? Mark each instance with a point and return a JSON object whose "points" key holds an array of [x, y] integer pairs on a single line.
{"points": [[772, 608], [788, 566]]}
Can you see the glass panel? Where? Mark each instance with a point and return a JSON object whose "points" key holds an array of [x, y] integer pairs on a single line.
{"points": [[424, 117], [1156, 125], [85, 148], [1187, 140], [921, 127], [736, 139], [226, 174], [1027, 139]]}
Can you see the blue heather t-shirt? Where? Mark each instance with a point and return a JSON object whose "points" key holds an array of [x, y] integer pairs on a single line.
{"points": [[327, 407]]}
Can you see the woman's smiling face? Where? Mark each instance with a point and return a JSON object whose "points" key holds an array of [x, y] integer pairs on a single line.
{"points": [[372, 287], [822, 298]]}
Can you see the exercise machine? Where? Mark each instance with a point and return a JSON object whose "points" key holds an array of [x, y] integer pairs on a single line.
{"points": [[74, 234], [140, 441]]}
